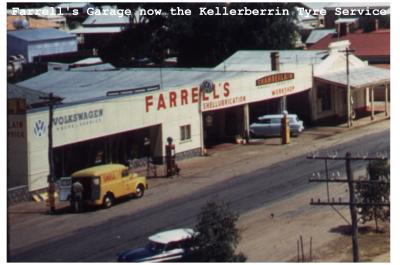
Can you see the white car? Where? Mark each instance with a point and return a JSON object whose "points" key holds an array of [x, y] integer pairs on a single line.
{"points": [[270, 125], [168, 246]]}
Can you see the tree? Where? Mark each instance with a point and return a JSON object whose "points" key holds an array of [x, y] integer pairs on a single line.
{"points": [[368, 193], [205, 41], [216, 236], [202, 41], [367, 23]]}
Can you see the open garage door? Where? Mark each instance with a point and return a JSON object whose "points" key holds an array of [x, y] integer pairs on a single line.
{"points": [[222, 126], [120, 148]]}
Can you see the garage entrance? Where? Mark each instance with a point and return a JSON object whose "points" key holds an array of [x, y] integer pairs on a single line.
{"points": [[257, 109], [117, 148], [221, 126]]}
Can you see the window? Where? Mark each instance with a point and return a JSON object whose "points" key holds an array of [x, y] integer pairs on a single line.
{"points": [[275, 120], [265, 121], [324, 95], [185, 132], [173, 245], [125, 173]]}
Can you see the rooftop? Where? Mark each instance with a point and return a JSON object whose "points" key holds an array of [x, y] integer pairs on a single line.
{"points": [[33, 23], [73, 5], [260, 60], [18, 92], [318, 34], [40, 34], [375, 43], [172, 235], [333, 5], [346, 20], [81, 85], [98, 170], [99, 20], [97, 30], [359, 77]]}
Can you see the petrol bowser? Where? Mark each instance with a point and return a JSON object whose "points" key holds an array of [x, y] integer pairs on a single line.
{"points": [[285, 129], [170, 158]]}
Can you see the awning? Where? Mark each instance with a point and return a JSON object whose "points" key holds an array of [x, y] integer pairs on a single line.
{"points": [[359, 77]]}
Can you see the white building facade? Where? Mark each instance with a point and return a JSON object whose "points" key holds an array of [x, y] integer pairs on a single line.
{"points": [[109, 126], [106, 116]]}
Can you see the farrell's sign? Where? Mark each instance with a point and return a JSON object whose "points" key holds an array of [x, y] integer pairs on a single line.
{"points": [[275, 78]]}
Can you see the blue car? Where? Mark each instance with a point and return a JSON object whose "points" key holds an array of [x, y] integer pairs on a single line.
{"points": [[168, 246], [270, 125]]}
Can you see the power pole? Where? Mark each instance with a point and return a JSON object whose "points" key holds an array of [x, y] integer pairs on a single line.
{"points": [[353, 209], [352, 203], [349, 103], [51, 101]]}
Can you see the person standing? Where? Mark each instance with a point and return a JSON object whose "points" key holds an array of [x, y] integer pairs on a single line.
{"points": [[77, 196]]}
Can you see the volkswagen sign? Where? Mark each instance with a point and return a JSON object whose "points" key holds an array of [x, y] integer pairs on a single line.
{"points": [[39, 128], [207, 86]]}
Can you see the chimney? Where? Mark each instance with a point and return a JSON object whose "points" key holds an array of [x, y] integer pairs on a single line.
{"points": [[337, 46], [274, 61], [343, 29], [376, 25]]}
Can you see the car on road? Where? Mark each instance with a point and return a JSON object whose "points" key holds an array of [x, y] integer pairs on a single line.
{"points": [[270, 125], [167, 246], [103, 184]]}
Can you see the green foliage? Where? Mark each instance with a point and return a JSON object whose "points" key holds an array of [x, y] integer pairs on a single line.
{"points": [[367, 23], [216, 234], [375, 193], [203, 41]]}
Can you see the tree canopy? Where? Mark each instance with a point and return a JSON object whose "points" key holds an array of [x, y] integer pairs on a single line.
{"points": [[216, 235], [201, 41], [375, 193]]}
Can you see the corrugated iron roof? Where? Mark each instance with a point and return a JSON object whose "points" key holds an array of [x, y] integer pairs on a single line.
{"points": [[18, 92], [375, 43], [318, 34], [97, 30], [359, 77], [260, 60], [76, 85], [98, 20], [31, 35]]}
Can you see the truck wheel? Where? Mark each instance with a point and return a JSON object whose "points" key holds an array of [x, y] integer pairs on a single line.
{"points": [[139, 191], [108, 201]]}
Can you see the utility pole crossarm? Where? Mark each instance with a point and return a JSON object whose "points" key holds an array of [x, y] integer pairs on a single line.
{"points": [[366, 158], [358, 204], [347, 181]]}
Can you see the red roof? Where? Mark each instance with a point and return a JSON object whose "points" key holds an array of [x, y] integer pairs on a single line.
{"points": [[375, 43]]}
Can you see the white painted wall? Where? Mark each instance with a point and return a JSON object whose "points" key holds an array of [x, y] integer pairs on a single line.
{"points": [[119, 114]]}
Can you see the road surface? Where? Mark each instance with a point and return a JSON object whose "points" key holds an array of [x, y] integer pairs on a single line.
{"points": [[245, 193]]}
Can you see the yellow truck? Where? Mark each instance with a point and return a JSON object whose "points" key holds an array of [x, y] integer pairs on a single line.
{"points": [[105, 183]]}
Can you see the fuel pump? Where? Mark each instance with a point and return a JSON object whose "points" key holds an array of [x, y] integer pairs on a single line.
{"points": [[285, 129], [172, 168]]}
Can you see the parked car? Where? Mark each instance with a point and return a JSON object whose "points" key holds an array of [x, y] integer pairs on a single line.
{"points": [[168, 246], [270, 125]]}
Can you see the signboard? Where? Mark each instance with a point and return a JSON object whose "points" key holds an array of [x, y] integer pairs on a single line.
{"points": [[275, 78], [207, 86]]}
